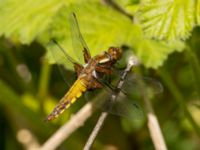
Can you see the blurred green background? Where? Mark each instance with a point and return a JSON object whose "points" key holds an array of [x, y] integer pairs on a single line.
{"points": [[164, 35]]}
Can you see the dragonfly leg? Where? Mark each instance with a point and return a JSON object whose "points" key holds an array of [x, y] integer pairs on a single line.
{"points": [[94, 84], [103, 70]]}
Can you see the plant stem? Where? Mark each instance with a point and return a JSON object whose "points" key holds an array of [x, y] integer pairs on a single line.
{"points": [[153, 125], [96, 130], [43, 82], [180, 100], [195, 67], [152, 120]]}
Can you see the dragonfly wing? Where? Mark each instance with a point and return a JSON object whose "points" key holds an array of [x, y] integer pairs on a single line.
{"points": [[78, 41], [138, 86], [62, 59], [122, 106], [125, 107], [132, 89]]}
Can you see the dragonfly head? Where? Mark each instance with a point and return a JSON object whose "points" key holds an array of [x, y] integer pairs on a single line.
{"points": [[115, 53]]}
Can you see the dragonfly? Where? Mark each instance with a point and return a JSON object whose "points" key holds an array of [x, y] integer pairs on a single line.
{"points": [[89, 74]]}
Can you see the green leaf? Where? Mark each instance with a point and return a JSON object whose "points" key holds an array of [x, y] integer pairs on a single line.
{"points": [[153, 53], [173, 19], [48, 19], [109, 29], [26, 19], [198, 12]]}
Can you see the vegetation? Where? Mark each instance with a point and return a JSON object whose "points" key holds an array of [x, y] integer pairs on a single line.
{"points": [[164, 35]]}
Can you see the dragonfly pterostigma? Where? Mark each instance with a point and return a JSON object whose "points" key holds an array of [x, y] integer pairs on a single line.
{"points": [[90, 76]]}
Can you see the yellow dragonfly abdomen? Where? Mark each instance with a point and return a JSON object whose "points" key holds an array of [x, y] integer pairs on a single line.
{"points": [[77, 89]]}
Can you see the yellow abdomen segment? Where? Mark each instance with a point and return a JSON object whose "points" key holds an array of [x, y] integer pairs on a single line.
{"points": [[70, 97]]}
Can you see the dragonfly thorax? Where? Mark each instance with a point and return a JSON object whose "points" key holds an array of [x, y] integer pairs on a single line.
{"points": [[88, 69], [111, 56]]}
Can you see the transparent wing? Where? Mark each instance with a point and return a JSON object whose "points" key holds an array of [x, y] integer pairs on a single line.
{"points": [[124, 106], [61, 58], [78, 42], [138, 86], [133, 89]]}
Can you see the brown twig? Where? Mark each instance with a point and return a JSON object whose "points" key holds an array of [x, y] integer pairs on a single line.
{"points": [[154, 127], [131, 62], [27, 139], [152, 121], [96, 130]]}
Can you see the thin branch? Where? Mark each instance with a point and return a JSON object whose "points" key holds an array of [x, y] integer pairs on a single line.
{"points": [[131, 62], [155, 132], [154, 127], [152, 121], [27, 139], [96, 130]]}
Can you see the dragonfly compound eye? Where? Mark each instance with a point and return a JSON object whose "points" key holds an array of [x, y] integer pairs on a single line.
{"points": [[115, 52]]}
